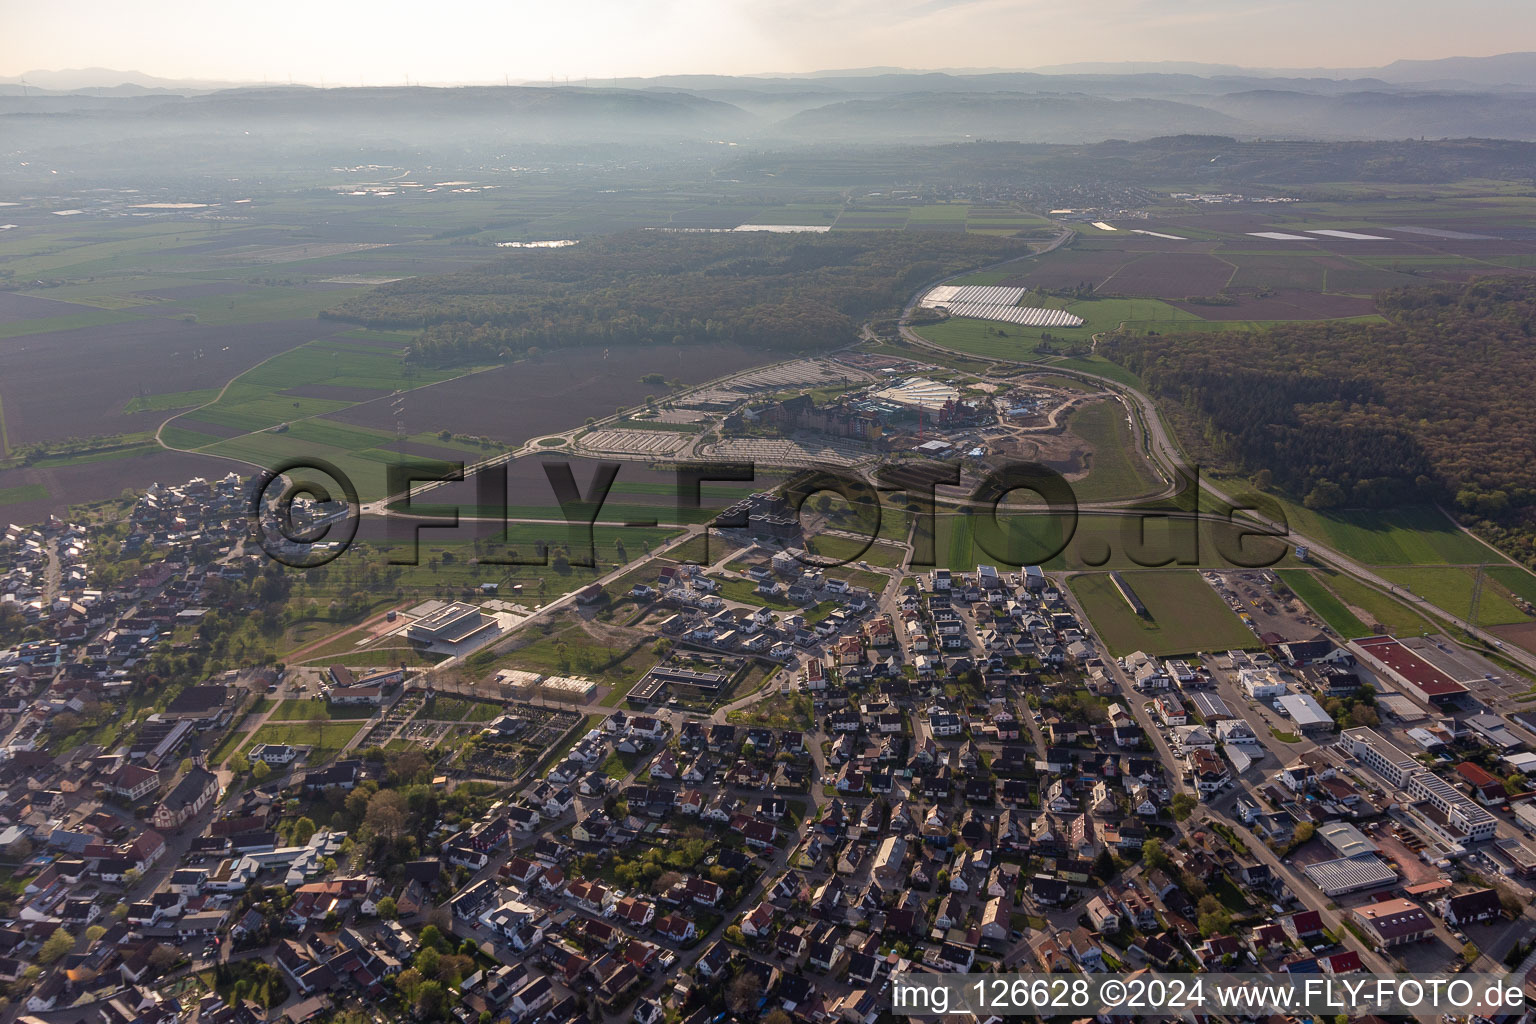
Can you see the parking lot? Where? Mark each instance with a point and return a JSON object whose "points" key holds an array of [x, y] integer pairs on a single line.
{"points": [[1251, 595]]}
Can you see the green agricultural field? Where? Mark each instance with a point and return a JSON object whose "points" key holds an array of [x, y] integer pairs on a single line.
{"points": [[1450, 588], [261, 304], [1117, 468], [1374, 608], [1114, 541], [66, 322], [797, 213], [1411, 535], [1518, 581], [938, 213], [23, 493], [1306, 585], [277, 425], [1184, 614], [171, 400], [995, 340], [992, 339], [699, 548]]}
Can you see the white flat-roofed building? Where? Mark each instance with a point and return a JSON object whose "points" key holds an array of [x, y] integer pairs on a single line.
{"points": [[1179, 670], [1262, 683], [1235, 730], [452, 623], [1307, 713], [1345, 839], [1524, 762], [1461, 812], [1379, 754]]}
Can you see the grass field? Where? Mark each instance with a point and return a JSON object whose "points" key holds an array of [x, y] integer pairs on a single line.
{"points": [[23, 493], [1450, 588], [1322, 601], [325, 739], [1183, 614], [314, 711], [1117, 468], [1010, 341], [571, 651], [1375, 608], [275, 424], [1128, 541], [1409, 535], [832, 546]]}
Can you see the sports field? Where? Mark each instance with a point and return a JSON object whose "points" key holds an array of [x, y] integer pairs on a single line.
{"points": [[1184, 614]]}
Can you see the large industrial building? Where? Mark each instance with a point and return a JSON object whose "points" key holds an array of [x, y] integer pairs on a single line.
{"points": [[450, 623], [1349, 874], [1387, 656], [453, 628], [1379, 754], [1449, 813]]}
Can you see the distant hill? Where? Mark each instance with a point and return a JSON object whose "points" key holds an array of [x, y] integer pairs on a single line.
{"points": [[1505, 69], [1001, 116], [563, 114], [73, 79], [1382, 115]]}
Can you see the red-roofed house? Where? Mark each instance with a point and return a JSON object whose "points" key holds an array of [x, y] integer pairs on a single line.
{"points": [[1487, 788], [1347, 962]]}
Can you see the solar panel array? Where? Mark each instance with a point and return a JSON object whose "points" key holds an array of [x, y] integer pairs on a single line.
{"points": [[1024, 316], [995, 302], [985, 293]]}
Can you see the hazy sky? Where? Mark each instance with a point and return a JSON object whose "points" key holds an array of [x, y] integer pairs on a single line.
{"points": [[382, 41]]}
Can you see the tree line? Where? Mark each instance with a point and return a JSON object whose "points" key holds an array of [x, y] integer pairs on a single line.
{"points": [[1437, 403], [782, 292]]}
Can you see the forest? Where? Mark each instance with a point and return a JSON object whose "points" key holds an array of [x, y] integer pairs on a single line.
{"points": [[779, 292], [1437, 404]]}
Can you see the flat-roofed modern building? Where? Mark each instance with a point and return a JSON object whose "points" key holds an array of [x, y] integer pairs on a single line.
{"points": [[452, 623], [1346, 840], [1379, 754], [1461, 812]]}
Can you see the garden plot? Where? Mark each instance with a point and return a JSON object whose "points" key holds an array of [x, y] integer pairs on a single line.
{"points": [[634, 442]]}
